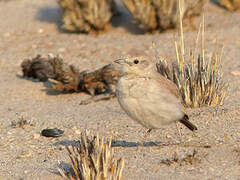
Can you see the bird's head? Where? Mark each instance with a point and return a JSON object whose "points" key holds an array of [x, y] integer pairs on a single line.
{"points": [[138, 65]]}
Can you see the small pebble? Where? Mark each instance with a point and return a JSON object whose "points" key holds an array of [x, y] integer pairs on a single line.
{"points": [[52, 132]]}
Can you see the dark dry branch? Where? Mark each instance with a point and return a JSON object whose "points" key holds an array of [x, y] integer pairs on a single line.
{"points": [[67, 78], [100, 81]]}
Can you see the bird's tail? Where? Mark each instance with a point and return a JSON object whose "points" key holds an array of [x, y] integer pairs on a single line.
{"points": [[187, 123]]}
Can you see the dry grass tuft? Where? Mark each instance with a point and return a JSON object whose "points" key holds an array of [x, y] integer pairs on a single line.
{"points": [[199, 83], [21, 123], [87, 16], [67, 80], [189, 159], [163, 14], [231, 5], [64, 77], [92, 159]]}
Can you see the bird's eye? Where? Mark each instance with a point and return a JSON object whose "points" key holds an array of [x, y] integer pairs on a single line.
{"points": [[136, 61]]}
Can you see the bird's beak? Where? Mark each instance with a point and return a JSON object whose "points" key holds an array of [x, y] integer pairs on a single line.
{"points": [[120, 61]]}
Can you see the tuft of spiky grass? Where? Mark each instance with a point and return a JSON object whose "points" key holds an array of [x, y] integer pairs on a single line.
{"points": [[231, 5], [93, 159], [200, 82], [161, 15], [87, 16]]}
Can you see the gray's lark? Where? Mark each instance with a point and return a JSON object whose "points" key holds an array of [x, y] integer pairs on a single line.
{"points": [[148, 97]]}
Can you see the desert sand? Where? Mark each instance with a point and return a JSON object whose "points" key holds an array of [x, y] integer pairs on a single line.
{"points": [[28, 28]]}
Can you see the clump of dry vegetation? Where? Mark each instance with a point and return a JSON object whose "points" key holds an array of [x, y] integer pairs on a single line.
{"points": [[200, 82], [231, 5], [101, 80], [163, 14], [52, 67], [37, 68], [67, 78], [93, 158], [87, 16], [21, 123], [189, 159]]}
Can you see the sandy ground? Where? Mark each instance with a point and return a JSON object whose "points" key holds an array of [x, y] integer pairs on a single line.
{"points": [[28, 28]]}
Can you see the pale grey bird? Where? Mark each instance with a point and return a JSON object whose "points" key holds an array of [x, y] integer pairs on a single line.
{"points": [[148, 97]]}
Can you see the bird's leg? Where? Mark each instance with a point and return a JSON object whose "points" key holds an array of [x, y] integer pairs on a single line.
{"points": [[179, 132], [146, 134], [148, 131]]}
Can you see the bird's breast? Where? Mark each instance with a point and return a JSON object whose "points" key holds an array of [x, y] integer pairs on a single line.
{"points": [[123, 87]]}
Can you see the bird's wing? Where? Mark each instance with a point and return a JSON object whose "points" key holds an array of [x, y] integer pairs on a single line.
{"points": [[166, 83], [156, 98]]}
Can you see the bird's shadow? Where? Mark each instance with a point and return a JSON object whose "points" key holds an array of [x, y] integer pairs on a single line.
{"points": [[62, 170], [129, 144], [120, 143]]}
